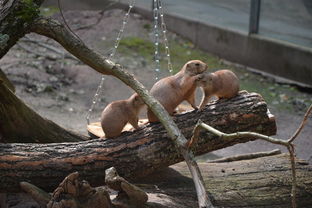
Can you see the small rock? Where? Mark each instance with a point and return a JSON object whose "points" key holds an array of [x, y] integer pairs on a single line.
{"points": [[71, 109], [53, 79], [63, 97]]}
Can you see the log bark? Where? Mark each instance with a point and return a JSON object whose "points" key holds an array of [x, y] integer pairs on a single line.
{"points": [[19, 123], [133, 154], [255, 183]]}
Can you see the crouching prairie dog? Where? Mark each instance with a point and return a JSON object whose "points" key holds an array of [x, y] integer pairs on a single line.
{"points": [[118, 113], [222, 83], [171, 91]]}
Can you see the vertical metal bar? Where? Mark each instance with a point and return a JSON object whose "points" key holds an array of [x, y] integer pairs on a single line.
{"points": [[254, 16]]}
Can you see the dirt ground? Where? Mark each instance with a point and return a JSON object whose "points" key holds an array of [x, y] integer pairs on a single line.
{"points": [[62, 88]]}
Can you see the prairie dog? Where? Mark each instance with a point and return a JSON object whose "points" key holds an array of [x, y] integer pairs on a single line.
{"points": [[222, 83], [118, 113], [171, 91]]}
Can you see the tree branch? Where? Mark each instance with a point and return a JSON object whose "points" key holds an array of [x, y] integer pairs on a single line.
{"points": [[237, 135], [16, 18], [304, 121], [246, 156], [58, 32]]}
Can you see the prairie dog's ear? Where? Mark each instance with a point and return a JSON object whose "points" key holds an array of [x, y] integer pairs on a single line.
{"points": [[138, 99]]}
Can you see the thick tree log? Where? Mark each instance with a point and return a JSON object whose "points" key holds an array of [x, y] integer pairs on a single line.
{"points": [[19, 123], [255, 183], [133, 154]]}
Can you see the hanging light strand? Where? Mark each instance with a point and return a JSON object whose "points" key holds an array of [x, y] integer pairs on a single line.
{"points": [[156, 39], [122, 29], [164, 31], [111, 56]]}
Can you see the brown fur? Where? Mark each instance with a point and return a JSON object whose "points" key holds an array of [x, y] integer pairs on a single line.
{"points": [[173, 90], [223, 84], [118, 113]]}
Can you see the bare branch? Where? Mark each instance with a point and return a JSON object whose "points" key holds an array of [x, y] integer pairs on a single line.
{"points": [[287, 143], [238, 135], [246, 156], [74, 45], [291, 150], [39, 195], [304, 121]]}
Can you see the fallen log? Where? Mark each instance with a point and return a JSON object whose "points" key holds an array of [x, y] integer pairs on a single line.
{"points": [[252, 183], [19, 123], [133, 154]]}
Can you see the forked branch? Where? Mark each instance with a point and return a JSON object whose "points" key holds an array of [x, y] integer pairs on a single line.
{"points": [[238, 135]]}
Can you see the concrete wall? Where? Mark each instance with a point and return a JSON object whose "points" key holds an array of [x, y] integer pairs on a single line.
{"points": [[274, 57]]}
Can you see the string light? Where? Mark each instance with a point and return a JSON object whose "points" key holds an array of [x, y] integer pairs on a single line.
{"points": [[158, 12], [164, 31], [156, 39], [112, 54]]}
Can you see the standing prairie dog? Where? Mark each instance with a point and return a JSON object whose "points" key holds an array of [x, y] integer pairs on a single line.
{"points": [[118, 113], [223, 84], [171, 91]]}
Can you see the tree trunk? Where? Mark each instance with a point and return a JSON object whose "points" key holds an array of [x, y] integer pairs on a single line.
{"points": [[6, 81], [19, 123], [16, 17], [133, 154], [255, 183]]}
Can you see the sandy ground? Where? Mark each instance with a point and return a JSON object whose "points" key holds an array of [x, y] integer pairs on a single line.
{"points": [[61, 89]]}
